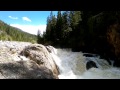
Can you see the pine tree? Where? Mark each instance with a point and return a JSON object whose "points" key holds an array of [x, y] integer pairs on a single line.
{"points": [[48, 29], [39, 38], [59, 27], [53, 29], [66, 29]]}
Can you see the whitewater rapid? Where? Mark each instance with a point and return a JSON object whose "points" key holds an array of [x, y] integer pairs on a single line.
{"points": [[72, 65]]}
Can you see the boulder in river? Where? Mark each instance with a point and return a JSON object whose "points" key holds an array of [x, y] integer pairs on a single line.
{"points": [[90, 64], [41, 56]]}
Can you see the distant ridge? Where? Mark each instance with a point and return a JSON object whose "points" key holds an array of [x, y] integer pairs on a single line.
{"points": [[11, 33]]}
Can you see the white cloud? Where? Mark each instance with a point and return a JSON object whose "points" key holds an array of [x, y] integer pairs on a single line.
{"points": [[26, 19], [33, 29], [13, 17]]}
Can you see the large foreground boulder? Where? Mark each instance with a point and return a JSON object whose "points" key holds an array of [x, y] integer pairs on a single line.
{"points": [[41, 56], [22, 60]]}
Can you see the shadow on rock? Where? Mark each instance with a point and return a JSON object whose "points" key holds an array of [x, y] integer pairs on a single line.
{"points": [[25, 70]]}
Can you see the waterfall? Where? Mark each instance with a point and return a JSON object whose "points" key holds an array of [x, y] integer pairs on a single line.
{"points": [[72, 65]]}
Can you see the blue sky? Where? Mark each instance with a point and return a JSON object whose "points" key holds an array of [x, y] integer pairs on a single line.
{"points": [[29, 21]]}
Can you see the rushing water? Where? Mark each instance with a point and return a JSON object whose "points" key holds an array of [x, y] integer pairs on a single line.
{"points": [[72, 65]]}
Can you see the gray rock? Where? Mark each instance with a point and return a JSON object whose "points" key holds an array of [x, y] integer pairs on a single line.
{"points": [[24, 70], [41, 56], [23, 60]]}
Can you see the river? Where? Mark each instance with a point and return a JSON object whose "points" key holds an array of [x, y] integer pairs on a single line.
{"points": [[72, 65]]}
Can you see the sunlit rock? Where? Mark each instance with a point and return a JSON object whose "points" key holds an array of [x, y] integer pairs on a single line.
{"points": [[41, 56], [13, 65]]}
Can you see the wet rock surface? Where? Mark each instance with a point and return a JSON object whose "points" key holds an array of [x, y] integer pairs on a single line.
{"points": [[91, 64]]}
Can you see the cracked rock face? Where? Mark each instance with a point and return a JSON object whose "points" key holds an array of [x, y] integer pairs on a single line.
{"points": [[41, 56], [23, 60]]}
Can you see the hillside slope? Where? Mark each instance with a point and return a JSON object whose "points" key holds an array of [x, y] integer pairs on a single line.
{"points": [[10, 33]]}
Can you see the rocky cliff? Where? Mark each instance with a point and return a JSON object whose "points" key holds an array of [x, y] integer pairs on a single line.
{"points": [[113, 37], [103, 36], [107, 27]]}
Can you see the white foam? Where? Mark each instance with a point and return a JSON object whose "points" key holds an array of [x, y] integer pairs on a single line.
{"points": [[24, 58], [72, 65], [16, 58]]}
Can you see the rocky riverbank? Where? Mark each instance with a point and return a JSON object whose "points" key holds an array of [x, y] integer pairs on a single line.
{"points": [[24, 60]]}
